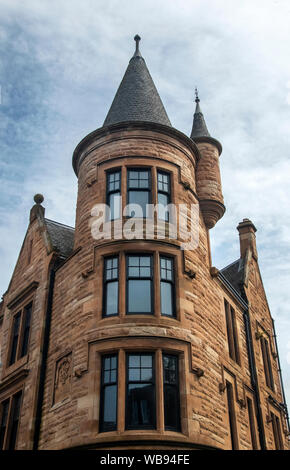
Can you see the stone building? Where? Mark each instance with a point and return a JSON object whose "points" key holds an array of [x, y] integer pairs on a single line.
{"points": [[121, 340]]}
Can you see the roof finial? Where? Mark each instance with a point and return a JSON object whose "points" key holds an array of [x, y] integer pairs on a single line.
{"points": [[38, 198], [199, 128], [137, 39]]}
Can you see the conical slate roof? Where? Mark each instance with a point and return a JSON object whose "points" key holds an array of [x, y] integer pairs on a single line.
{"points": [[137, 98], [199, 128]]}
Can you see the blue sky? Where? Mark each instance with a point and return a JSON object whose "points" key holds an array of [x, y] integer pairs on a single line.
{"points": [[61, 63]]}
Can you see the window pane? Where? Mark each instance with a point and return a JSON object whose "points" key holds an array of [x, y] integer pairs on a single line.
{"points": [[163, 182], [4, 416], [171, 392], [110, 407], [232, 417], [146, 361], [140, 199], [112, 298], [141, 396], [163, 201], [108, 412], [145, 272], [141, 405], [134, 272], [27, 320], [15, 335], [134, 361], [171, 409], [139, 296], [166, 269], [146, 375], [139, 266], [114, 203], [15, 420], [111, 268], [166, 299], [138, 179], [113, 180], [134, 375]]}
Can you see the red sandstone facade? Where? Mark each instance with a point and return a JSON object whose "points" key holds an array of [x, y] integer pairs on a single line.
{"points": [[229, 387]]}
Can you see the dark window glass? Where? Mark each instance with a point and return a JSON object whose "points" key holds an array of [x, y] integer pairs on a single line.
{"points": [[267, 363], [167, 290], [232, 333], [163, 188], [232, 415], [16, 403], [252, 423], [139, 284], [171, 392], [111, 286], [141, 408], [15, 336], [139, 192], [4, 418], [113, 194], [108, 414], [26, 330], [277, 432]]}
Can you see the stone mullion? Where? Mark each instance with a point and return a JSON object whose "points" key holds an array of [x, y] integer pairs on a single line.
{"points": [[122, 285], [121, 391], [159, 392], [156, 282]]}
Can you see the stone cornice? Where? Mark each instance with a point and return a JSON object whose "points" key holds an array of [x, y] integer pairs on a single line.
{"points": [[14, 378], [26, 291], [209, 140], [129, 126]]}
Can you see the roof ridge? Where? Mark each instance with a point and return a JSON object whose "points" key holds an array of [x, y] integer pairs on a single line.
{"points": [[231, 264], [59, 223]]}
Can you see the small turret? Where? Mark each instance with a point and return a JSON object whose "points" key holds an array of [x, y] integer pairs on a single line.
{"points": [[208, 179], [199, 128]]}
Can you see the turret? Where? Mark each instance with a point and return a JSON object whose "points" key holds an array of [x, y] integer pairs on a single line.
{"points": [[208, 179]]}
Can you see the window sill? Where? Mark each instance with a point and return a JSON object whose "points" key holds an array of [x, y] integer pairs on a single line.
{"points": [[7, 371], [142, 433]]}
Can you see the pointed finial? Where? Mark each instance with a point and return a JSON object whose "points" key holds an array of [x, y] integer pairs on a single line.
{"points": [[137, 39], [197, 100]]}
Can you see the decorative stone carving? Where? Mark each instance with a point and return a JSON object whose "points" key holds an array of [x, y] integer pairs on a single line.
{"points": [[63, 373]]}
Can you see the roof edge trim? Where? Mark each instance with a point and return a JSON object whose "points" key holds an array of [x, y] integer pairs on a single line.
{"points": [[129, 125]]}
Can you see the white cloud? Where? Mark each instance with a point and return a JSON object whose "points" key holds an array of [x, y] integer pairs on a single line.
{"points": [[68, 58]]}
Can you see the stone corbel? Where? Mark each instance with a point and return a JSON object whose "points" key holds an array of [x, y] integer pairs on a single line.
{"points": [[197, 371], [214, 271], [93, 179], [186, 185], [190, 273], [86, 274], [79, 371]]}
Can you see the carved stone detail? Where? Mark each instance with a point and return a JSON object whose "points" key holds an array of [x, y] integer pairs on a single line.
{"points": [[63, 374]]}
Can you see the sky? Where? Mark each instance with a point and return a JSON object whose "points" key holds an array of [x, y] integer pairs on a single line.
{"points": [[60, 65]]}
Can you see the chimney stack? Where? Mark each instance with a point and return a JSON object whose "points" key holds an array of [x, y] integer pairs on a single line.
{"points": [[247, 235]]}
